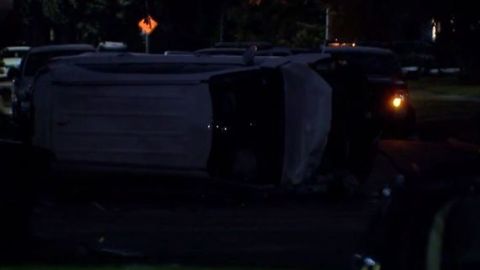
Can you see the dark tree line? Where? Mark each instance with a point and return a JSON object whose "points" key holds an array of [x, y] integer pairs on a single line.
{"points": [[185, 25], [182, 24]]}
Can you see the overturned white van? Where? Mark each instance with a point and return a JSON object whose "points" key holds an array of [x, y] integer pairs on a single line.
{"points": [[267, 122]]}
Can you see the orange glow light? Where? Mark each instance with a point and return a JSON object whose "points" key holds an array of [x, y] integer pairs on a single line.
{"points": [[147, 25]]}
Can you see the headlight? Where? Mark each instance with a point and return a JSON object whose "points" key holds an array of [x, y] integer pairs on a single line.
{"points": [[398, 101]]}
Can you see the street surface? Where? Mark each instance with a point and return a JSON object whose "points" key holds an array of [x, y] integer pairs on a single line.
{"points": [[219, 226]]}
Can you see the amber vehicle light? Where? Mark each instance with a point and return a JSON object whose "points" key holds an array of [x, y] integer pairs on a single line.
{"points": [[398, 101]]}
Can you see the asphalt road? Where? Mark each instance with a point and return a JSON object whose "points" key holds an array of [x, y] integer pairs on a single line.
{"points": [[282, 233], [188, 222], [214, 225]]}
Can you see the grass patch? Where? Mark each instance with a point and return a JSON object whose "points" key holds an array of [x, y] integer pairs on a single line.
{"points": [[445, 86], [436, 109], [445, 118], [429, 108]]}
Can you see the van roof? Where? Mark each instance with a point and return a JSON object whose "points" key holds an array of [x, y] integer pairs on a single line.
{"points": [[63, 47], [132, 58]]}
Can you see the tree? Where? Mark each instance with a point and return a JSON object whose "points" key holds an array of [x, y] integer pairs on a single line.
{"points": [[296, 23], [11, 24], [81, 21], [293, 22]]}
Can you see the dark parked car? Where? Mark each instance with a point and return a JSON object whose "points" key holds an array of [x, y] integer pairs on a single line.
{"points": [[417, 58], [388, 93], [37, 58], [11, 57]]}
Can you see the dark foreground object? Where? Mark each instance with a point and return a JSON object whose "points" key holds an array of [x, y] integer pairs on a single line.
{"points": [[441, 182], [16, 198]]}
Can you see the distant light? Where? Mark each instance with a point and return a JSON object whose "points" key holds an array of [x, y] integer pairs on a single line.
{"points": [[342, 44], [434, 30]]}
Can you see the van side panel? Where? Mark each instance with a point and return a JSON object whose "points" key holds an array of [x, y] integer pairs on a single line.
{"points": [[143, 125]]}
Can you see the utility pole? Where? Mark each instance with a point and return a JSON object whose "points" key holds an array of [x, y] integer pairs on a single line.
{"points": [[222, 25], [327, 24], [147, 43], [147, 35]]}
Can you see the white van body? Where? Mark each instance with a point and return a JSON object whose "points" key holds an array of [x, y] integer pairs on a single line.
{"points": [[95, 112]]}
